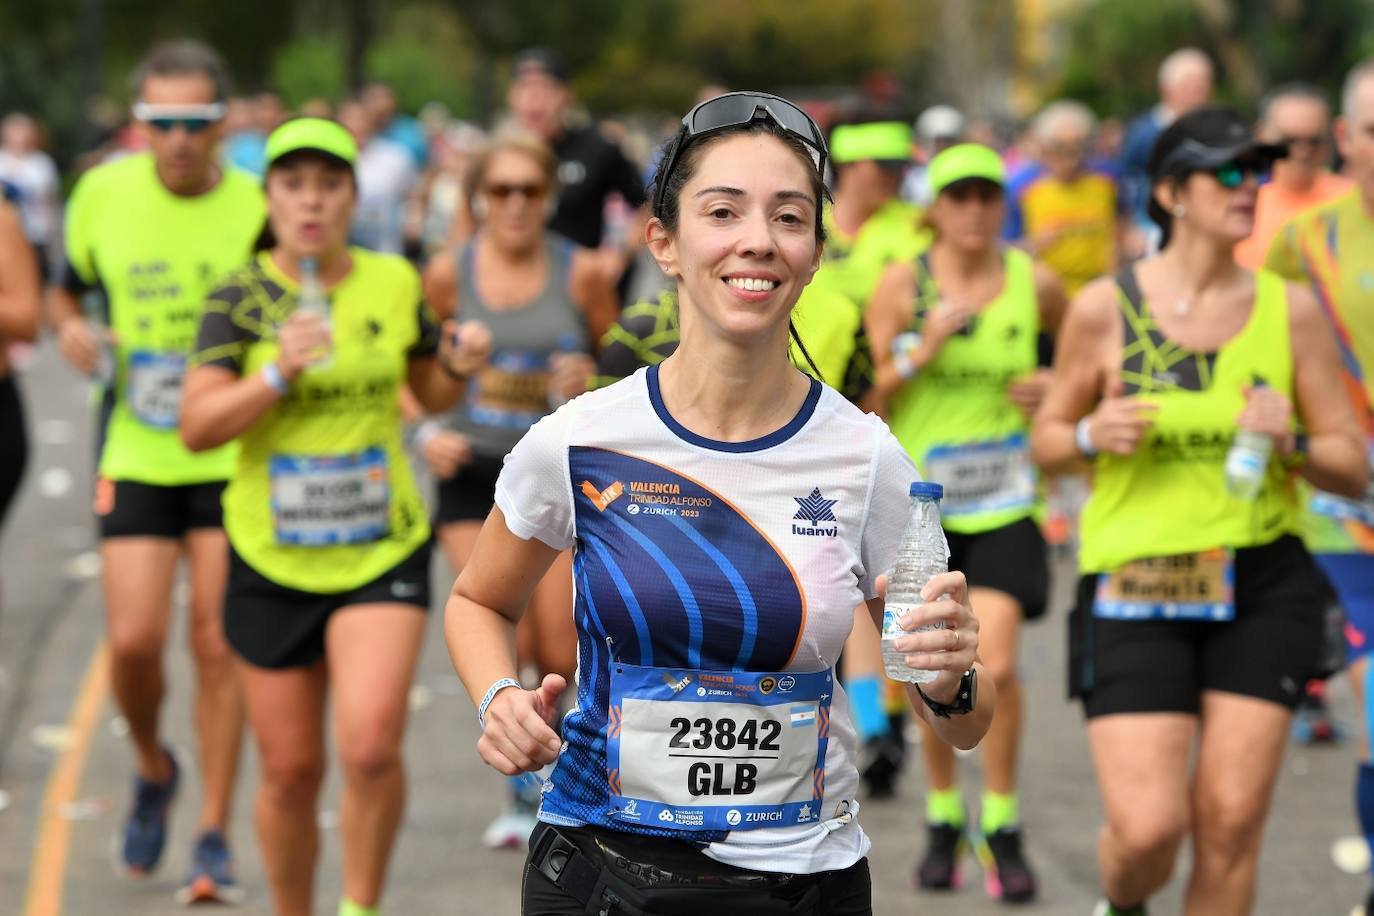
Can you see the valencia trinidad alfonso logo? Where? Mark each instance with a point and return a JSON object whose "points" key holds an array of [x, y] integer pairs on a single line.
{"points": [[815, 509], [602, 498]]}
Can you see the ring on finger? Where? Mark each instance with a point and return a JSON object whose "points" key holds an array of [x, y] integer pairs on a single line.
{"points": [[957, 637]]}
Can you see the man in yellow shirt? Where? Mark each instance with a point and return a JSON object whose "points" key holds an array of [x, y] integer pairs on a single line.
{"points": [[1297, 115]]}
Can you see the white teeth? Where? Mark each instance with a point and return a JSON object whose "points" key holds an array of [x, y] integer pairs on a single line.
{"points": [[752, 284]]}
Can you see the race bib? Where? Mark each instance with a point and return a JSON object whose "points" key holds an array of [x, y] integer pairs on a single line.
{"points": [[336, 499], [153, 389], [1189, 586], [1345, 510], [983, 476], [512, 392], [717, 750]]}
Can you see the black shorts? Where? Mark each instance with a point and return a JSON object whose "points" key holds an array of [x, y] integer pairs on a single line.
{"points": [[1009, 559], [14, 454], [1268, 651], [623, 863], [127, 508], [272, 626], [468, 495]]}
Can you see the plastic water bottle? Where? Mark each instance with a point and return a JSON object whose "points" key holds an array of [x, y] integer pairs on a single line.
{"points": [[567, 343], [1247, 461], [107, 361], [922, 555], [313, 299]]}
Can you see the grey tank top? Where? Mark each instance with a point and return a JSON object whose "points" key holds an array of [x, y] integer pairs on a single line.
{"points": [[512, 393]]}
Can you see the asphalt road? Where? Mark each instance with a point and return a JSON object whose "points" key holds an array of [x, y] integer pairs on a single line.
{"points": [[65, 770]]}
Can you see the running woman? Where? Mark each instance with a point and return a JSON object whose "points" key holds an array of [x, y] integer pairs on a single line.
{"points": [[709, 617], [954, 336], [546, 302], [329, 546], [19, 299], [156, 230], [1156, 372], [1330, 248]]}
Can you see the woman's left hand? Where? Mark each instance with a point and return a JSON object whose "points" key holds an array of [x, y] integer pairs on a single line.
{"points": [[1028, 391], [465, 348], [950, 650], [569, 374], [1268, 412]]}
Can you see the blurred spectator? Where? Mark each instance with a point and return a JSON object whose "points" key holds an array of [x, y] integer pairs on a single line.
{"points": [[938, 127], [1111, 133], [590, 167], [247, 138], [317, 108], [1295, 114], [33, 176], [379, 100], [1185, 83], [386, 175], [444, 197], [1063, 208]]}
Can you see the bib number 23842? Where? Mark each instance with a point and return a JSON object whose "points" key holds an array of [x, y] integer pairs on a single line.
{"points": [[717, 750]]}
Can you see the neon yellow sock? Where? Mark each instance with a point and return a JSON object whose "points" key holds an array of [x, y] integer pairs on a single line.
{"points": [[1000, 811], [349, 908], [945, 806]]}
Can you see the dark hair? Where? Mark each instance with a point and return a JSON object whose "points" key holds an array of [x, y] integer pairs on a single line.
{"points": [[1204, 126], [686, 168], [182, 57], [686, 165]]}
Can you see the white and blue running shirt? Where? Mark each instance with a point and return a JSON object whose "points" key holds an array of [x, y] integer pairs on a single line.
{"points": [[711, 556]]}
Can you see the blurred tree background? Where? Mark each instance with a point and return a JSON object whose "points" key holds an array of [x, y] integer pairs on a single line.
{"points": [[65, 59]]}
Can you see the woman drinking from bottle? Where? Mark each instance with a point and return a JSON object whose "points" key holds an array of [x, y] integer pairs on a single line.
{"points": [[1199, 614]]}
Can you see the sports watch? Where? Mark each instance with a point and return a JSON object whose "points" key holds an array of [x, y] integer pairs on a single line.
{"points": [[964, 699]]}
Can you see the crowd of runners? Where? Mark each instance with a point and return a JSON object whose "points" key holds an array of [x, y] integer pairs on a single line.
{"points": [[671, 396]]}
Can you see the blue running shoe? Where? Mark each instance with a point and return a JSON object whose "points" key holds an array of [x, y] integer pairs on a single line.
{"points": [[211, 879], [145, 831]]}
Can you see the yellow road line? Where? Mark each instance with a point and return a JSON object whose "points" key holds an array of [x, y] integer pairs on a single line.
{"points": [[48, 869]]}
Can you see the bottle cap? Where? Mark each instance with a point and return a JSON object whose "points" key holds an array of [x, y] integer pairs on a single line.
{"points": [[923, 489]]}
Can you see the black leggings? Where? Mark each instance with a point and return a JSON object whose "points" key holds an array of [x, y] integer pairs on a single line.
{"points": [[14, 443]]}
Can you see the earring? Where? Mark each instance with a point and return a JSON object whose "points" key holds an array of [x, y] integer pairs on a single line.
{"points": [[1180, 211]]}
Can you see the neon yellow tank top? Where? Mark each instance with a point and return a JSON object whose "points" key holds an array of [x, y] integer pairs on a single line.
{"points": [[323, 499], [955, 418], [1170, 496]]}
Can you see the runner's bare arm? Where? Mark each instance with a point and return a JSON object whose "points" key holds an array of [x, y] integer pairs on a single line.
{"points": [[1336, 458], [487, 600], [1050, 298], [437, 381], [218, 405], [887, 315], [594, 293], [19, 286]]}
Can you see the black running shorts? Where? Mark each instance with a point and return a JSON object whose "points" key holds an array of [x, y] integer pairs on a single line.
{"points": [[468, 495], [1268, 651], [273, 626], [1010, 559], [14, 453], [127, 508]]}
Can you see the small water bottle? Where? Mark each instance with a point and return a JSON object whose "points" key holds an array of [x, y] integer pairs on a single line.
{"points": [[313, 299], [922, 555], [107, 362], [1247, 461], [567, 343]]}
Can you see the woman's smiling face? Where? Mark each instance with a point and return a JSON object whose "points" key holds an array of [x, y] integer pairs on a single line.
{"points": [[745, 244]]}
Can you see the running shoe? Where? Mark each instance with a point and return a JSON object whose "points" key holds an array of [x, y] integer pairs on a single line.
{"points": [[1104, 908], [512, 828], [880, 762], [939, 869], [145, 830], [1007, 874], [1313, 723], [211, 879]]}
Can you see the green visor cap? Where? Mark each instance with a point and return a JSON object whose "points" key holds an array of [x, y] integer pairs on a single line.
{"points": [[967, 160], [882, 141], [315, 134]]}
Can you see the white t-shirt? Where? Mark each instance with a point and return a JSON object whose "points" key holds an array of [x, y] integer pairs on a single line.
{"points": [[699, 555], [385, 173], [35, 175]]}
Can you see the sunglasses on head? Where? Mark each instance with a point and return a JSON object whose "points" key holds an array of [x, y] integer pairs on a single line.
{"points": [[1231, 175], [504, 191], [167, 118], [736, 109]]}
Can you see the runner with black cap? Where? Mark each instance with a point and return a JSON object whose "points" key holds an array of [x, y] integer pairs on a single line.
{"points": [[1199, 614], [301, 356], [709, 763]]}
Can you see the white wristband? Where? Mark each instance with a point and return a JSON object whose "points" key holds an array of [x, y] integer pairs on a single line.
{"points": [[492, 691], [904, 348], [1082, 437], [271, 374], [425, 433]]}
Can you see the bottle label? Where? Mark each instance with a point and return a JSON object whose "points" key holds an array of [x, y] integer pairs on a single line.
{"points": [[892, 618]]}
